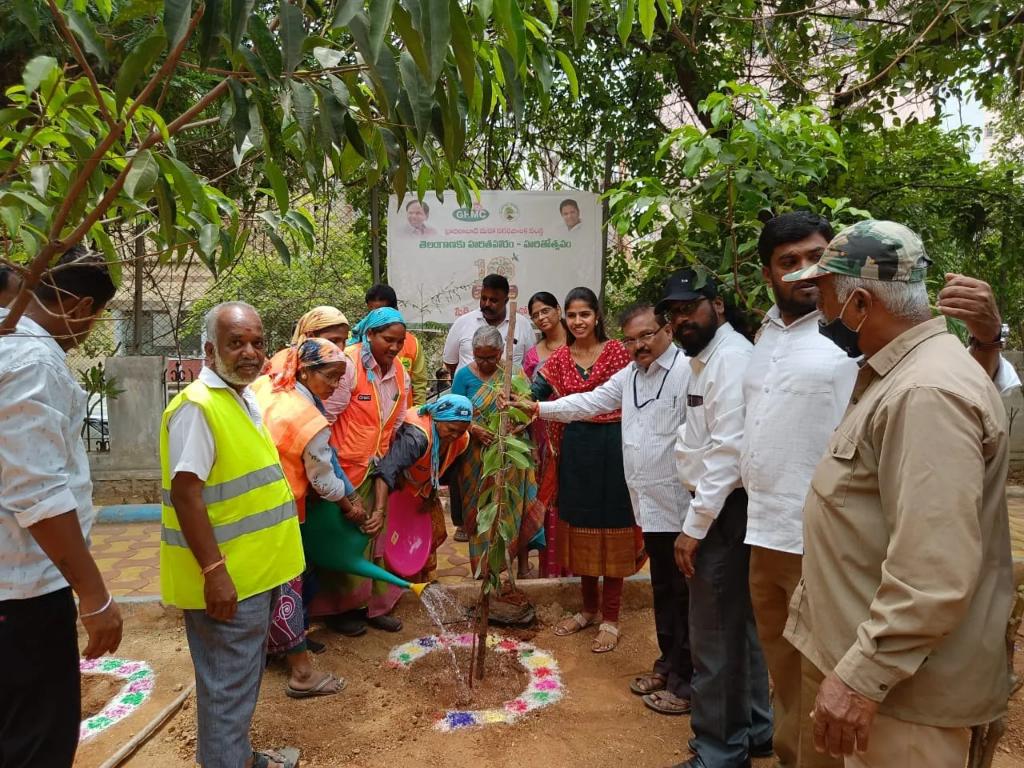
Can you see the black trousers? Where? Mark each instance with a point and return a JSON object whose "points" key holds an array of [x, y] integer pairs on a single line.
{"points": [[451, 478], [41, 699], [671, 614]]}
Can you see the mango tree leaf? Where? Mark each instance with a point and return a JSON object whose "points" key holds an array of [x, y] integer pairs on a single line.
{"points": [[25, 11], [346, 10], [327, 57], [167, 210], [462, 45], [627, 12], [277, 183], [647, 12], [580, 15], [411, 38], [293, 32], [137, 64], [282, 248], [142, 175], [302, 105], [509, 16], [177, 14], [354, 137], [420, 95], [240, 119], [106, 246], [241, 10], [380, 23], [209, 28], [37, 70], [266, 46], [435, 24], [519, 460], [570, 73]]}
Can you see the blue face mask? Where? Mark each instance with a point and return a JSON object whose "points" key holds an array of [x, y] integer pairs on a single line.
{"points": [[836, 331]]}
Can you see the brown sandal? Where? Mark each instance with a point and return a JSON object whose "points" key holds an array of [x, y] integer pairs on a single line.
{"points": [[646, 684]]}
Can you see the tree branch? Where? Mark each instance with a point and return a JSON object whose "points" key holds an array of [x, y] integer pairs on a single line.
{"points": [[79, 55]]}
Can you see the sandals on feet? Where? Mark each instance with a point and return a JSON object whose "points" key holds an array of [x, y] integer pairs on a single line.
{"points": [[666, 703], [570, 625], [328, 686], [646, 684], [288, 757], [608, 629]]}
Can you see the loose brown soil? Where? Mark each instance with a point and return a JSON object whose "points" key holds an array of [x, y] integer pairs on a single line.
{"points": [[433, 683], [97, 691], [385, 717]]}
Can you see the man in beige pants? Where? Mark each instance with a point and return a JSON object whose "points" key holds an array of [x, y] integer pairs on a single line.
{"points": [[907, 575]]}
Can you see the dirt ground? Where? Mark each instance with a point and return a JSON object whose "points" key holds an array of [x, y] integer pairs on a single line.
{"points": [[385, 716]]}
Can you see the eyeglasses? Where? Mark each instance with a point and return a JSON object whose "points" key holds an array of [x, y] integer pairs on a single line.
{"points": [[334, 379], [543, 312], [643, 338], [687, 309], [495, 359]]}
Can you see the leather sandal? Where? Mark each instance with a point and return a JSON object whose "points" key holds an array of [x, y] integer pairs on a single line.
{"points": [[579, 623], [608, 629]]}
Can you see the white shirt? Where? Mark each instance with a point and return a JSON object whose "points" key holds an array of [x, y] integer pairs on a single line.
{"points": [[648, 433], [458, 347], [796, 390], [708, 444], [189, 439], [44, 468]]}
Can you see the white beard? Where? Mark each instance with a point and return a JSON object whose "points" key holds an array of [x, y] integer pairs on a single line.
{"points": [[231, 376]]}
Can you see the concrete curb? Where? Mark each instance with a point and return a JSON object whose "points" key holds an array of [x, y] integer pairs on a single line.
{"points": [[129, 513], [1015, 491]]}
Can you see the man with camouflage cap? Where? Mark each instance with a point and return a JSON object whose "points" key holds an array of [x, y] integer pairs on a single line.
{"points": [[907, 574]]}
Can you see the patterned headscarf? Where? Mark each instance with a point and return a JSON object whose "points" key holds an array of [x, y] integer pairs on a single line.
{"points": [[310, 354], [315, 320], [447, 408], [381, 317]]}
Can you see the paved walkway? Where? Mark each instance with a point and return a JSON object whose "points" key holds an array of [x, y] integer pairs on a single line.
{"points": [[128, 555]]}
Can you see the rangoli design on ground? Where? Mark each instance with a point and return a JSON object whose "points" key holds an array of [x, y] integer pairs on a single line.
{"points": [[139, 681], [543, 689]]}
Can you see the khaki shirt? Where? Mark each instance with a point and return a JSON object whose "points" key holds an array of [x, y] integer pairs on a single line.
{"points": [[907, 573]]}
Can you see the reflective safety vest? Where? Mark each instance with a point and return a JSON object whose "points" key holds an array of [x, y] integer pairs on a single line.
{"points": [[416, 479], [410, 349], [359, 434], [292, 421], [248, 502]]}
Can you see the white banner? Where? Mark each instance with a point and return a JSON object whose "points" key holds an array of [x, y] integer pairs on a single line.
{"points": [[541, 241]]}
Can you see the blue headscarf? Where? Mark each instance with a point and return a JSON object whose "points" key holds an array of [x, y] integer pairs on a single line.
{"points": [[381, 317], [447, 408]]}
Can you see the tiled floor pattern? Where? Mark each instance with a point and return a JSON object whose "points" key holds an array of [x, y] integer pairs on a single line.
{"points": [[128, 555]]}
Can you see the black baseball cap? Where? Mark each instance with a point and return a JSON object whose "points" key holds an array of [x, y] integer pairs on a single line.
{"points": [[681, 285]]}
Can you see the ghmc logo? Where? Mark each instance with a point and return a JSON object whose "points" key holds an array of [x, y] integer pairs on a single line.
{"points": [[476, 213]]}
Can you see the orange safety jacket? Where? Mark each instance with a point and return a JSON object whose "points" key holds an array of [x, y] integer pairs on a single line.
{"points": [[359, 435], [292, 421], [416, 479]]}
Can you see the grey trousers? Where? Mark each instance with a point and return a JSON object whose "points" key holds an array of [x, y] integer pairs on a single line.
{"points": [[229, 658], [731, 710]]}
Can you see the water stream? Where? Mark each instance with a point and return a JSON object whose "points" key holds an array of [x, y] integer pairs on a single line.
{"points": [[446, 612]]}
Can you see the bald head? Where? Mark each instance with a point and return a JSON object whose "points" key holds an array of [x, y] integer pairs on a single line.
{"points": [[234, 343]]}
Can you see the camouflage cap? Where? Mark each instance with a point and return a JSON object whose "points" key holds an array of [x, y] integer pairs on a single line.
{"points": [[873, 250]]}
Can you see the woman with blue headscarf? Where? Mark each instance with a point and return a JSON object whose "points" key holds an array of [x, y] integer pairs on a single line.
{"points": [[424, 447], [369, 405]]}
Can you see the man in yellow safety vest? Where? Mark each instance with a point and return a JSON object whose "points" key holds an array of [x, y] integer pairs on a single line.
{"points": [[229, 535]]}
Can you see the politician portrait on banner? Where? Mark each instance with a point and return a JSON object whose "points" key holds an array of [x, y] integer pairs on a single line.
{"points": [[439, 251]]}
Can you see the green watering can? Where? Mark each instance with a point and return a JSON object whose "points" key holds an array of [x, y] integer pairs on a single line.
{"points": [[330, 541]]}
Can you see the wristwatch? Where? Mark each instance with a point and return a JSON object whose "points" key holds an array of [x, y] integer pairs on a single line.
{"points": [[999, 341]]}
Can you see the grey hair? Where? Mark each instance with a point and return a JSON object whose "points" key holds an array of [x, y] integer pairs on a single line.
{"points": [[908, 301], [210, 319], [488, 337]]}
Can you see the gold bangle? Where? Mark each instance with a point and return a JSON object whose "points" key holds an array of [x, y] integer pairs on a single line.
{"points": [[214, 566]]}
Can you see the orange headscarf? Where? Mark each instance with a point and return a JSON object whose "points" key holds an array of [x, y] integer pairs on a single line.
{"points": [[315, 320], [309, 354]]}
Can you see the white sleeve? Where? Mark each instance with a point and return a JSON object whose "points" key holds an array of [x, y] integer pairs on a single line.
{"points": [[720, 471], [34, 418], [450, 356], [1006, 378], [584, 405], [190, 442]]}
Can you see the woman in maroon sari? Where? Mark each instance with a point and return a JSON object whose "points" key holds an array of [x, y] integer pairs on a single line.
{"points": [[597, 535]]}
